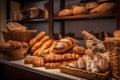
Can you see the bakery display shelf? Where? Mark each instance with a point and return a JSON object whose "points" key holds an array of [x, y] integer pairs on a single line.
{"points": [[86, 16], [30, 20]]}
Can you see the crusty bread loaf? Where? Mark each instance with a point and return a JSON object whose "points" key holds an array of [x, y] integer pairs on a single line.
{"points": [[64, 44], [91, 5], [77, 10], [39, 43], [38, 37], [104, 8], [65, 12], [14, 26]]}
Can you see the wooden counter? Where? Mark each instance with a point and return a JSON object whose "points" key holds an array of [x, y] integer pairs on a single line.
{"points": [[17, 70]]}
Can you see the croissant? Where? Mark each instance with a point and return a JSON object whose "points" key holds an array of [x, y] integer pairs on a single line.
{"points": [[38, 37]]}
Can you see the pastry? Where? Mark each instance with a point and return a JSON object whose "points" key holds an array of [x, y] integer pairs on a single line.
{"points": [[65, 12]]}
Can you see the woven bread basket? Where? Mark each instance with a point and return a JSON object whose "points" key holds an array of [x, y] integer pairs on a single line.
{"points": [[18, 35], [14, 54], [113, 46], [84, 73]]}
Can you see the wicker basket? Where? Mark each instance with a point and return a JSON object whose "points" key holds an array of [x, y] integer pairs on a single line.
{"points": [[113, 45], [14, 54], [18, 35], [84, 73]]}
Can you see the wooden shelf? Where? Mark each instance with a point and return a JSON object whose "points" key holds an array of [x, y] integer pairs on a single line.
{"points": [[27, 0], [86, 16], [30, 20]]}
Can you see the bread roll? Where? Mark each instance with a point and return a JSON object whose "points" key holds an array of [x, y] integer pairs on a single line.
{"points": [[39, 43], [79, 10], [37, 38], [91, 5], [65, 12], [116, 33]]}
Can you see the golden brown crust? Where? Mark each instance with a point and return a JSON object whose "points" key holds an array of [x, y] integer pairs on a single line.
{"points": [[38, 62], [65, 12], [38, 37], [62, 57], [39, 43]]}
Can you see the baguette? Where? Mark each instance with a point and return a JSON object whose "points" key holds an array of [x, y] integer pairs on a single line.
{"points": [[45, 45], [38, 37], [63, 57], [39, 43]]}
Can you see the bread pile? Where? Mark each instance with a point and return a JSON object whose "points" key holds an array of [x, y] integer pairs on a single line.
{"points": [[53, 52], [41, 44], [96, 58], [10, 44], [99, 6], [14, 50]]}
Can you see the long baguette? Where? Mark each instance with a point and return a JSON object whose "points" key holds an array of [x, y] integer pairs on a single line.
{"points": [[44, 46], [39, 43], [38, 37]]}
